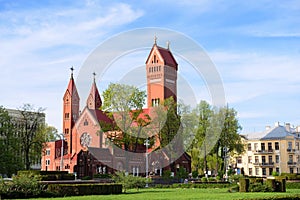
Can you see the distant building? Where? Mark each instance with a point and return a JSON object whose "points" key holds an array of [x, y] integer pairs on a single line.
{"points": [[31, 120], [275, 149], [86, 149]]}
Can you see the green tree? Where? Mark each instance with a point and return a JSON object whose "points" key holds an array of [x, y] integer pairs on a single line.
{"points": [[31, 133], [229, 140], [10, 162], [218, 129], [124, 103], [198, 149]]}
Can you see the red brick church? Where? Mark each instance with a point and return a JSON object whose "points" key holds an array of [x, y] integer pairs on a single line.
{"points": [[86, 149]]}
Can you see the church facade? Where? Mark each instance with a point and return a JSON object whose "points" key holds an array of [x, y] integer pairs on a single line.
{"points": [[85, 149]]}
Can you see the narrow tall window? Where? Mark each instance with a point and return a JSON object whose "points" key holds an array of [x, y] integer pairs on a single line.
{"points": [[276, 145], [263, 146], [249, 146]]}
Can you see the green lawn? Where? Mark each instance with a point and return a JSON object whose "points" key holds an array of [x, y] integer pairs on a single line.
{"points": [[181, 194]]}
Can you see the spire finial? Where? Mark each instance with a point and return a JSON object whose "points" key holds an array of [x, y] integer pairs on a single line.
{"points": [[168, 44], [72, 69], [155, 39], [94, 74]]}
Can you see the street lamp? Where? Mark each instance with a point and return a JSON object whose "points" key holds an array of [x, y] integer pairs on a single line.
{"points": [[146, 143]]}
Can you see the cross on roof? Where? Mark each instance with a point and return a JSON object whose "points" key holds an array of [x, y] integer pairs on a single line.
{"points": [[94, 74]]}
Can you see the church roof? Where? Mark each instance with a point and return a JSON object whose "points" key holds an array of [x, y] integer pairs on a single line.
{"points": [[101, 154], [72, 90], [166, 54], [94, 96]]}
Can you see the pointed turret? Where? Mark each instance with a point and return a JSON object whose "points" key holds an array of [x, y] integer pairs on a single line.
{"points": [[94, 101], [70, 110]]}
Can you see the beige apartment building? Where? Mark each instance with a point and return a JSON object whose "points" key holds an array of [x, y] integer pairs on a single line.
{"points": [[275, 149]]}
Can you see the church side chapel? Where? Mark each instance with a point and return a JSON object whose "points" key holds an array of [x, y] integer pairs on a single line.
{"points": [[88, 148]]}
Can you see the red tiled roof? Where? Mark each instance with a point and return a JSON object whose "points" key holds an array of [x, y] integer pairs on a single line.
{"points": [[101, 116], [168, 57]]}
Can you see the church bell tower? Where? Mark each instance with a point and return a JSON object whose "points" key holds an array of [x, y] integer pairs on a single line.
{"points": [[161, 68], [70, 110]]}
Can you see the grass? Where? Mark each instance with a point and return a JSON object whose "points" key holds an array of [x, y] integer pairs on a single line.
{"points": [[179, 193]]}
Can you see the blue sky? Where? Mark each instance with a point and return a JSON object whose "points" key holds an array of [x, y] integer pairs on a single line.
{"points": [[255, 46]]}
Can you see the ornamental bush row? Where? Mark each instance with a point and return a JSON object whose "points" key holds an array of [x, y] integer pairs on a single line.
{"points": [[195, 185], [84, 189]]}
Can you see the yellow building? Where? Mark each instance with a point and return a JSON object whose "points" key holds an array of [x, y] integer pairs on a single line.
{"points": [[275, 149]]}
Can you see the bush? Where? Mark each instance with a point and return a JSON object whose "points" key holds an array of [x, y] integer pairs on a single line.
{"points": [[182, 173], [288, 176], [84, 189], [130, 181], [259, 187], [167, 175], [235, 178], [234, 188], [203, 179], [244, 184], [211, 179], [102, 176], [22, 186], [195, 174], [274, 173], [86, 178], [292, 185]]}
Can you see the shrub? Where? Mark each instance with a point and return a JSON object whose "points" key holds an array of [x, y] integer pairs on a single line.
{"points": [[234, 188], [84, 189], [292, 185], [211, 179], [259, 187], [22, 186], [182, 173], [86, 178], [235, 178], [130, 181], [102, 176], [288, 176], [195, 174], [274, 173], [167, 175], [244, 184], [203, 179]]}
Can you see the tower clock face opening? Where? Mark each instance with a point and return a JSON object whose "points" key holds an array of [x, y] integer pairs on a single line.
{"points": [[85, 140]]}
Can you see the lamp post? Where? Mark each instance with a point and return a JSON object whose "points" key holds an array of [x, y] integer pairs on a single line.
{"points": [[146, 143]]}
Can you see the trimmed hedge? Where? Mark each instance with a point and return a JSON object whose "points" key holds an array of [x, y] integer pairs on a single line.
{"points": [[292, 185], [193, 185], [244, 184], [289, 176], [48, 175], [84, 189]]}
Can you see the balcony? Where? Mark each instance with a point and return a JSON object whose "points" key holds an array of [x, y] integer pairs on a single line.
{"points": [[291, 150], [292, 163], [270, 151], [264, 164]]}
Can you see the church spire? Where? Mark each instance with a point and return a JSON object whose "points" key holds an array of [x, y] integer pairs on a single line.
{"points": [[70, 110], [94, 101]]}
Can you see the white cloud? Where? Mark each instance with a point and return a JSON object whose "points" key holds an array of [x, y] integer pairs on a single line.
{"points": [[39, 45]]}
